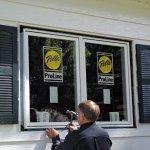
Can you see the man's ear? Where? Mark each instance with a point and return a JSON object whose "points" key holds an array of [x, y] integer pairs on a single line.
{"points": [[83, 118]]}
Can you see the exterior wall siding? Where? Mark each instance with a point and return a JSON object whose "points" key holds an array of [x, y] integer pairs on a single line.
{"points": [[118, 19]]}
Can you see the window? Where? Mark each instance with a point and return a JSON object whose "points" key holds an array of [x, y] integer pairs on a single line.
{"points": [[50, 78], [60, 70], [108, 80]]}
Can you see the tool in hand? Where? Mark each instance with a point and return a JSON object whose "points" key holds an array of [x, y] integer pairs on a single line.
{"points": [[72, 113]]}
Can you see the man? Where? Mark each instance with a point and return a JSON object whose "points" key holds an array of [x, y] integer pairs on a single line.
{"points": [[88, 137]]}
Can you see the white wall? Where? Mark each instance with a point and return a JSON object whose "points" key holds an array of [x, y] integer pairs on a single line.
{"points": [[125, 19], [96, 17]]}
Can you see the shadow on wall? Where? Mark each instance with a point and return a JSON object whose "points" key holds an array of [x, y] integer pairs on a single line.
{"points": [[43, 143]]}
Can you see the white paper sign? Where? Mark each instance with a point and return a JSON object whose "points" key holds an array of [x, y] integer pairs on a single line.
{"points": [[114, 116], [106, 96], [53, 94], [42, 116]]}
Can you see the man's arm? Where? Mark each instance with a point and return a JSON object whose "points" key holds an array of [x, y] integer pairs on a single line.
{"points": [[68, 143], [54, 135], [56, 142]]}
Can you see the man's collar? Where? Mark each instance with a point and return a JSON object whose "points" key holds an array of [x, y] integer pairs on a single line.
{"points": [[87, 124]]}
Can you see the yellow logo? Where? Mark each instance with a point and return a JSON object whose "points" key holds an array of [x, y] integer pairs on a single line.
{"points": [[53, 59], [105, 64]]}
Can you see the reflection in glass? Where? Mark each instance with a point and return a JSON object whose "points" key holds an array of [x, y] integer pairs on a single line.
{"points": [[110, 98], [41, 108]]}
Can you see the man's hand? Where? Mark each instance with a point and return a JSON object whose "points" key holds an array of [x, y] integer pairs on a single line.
{"points": [[71, 127], [51, 133]]}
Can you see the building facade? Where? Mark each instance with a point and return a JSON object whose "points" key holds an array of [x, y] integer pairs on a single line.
{"points": [[55, 54]]}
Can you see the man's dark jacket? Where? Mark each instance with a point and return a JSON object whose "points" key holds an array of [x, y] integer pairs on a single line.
{"points": [[88, 137]]}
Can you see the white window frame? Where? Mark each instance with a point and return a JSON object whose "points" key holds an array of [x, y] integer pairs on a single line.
{"points": [[26, 86], [127, 95], [81, 91]]}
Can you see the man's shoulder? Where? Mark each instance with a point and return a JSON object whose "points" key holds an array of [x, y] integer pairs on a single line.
{"points": [[94, 130]]}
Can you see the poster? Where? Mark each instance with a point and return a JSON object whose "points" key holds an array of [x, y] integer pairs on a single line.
{"points": [[105, 73], [52, 64]]}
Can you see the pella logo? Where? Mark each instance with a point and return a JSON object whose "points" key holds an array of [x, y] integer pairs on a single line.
{"points": [[105, 64]]}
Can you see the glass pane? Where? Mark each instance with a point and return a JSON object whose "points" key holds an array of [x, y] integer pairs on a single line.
{"points": [[105, 80], [52, 78]]}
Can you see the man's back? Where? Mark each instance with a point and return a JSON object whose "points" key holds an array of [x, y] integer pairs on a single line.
{"points": [[93, 143], [92, 137]]}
